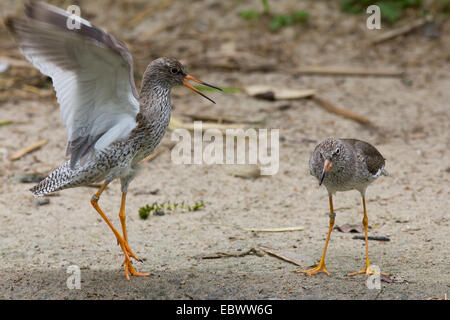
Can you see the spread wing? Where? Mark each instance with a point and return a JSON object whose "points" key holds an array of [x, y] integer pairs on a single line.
{"points": [[92, 74]]}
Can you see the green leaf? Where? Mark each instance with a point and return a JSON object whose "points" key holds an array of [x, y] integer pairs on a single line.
{"points": [[249, 14], [144, 212], [266, 6], [300, 16], [390, 11], [277, 22]]}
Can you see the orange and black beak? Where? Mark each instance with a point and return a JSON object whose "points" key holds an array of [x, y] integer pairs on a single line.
{"points": [[326, 166], [189, 77]]}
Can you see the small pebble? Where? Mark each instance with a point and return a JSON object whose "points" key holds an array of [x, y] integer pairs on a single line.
{"points": [[41, 202], [29, 177]]}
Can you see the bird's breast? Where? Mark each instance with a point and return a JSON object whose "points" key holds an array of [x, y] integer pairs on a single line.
{"points": [[148, 137]]}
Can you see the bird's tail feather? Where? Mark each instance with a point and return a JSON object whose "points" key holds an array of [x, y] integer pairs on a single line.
{"points": [[55, 181]]}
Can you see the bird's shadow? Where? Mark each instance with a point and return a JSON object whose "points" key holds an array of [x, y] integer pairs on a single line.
{"points": [[112, 284], [185, 284]]}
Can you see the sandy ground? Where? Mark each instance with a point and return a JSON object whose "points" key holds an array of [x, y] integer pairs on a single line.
{"points": [[38, 243]]}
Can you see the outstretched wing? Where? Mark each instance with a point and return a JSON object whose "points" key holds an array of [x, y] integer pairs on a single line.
{"points": [[92, 74]]}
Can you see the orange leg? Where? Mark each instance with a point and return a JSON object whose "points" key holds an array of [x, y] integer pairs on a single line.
{"points": [[123, 244], [322, 267], [124, 228], [367, 270], [126, 261]]}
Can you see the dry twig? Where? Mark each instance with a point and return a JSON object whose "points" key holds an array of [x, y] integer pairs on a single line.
{"points": [[158, 152], [176, 123], [20, 63], [342, 112], [219, 255], [279, 256], [270, 93], [402, 30], [32, 147], [349, 71], [298, 228], [211, 118]]}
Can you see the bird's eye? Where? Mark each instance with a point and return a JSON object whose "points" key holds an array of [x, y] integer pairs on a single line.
{"points": [[174, 70], [337, 151]]}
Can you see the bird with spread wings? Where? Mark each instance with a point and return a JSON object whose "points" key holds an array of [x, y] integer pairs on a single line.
{"points": [[110, 126]]}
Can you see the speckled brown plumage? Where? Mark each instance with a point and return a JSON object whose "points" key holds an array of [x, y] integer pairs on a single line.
{"points": [[356, 165], [368, 154], [342, 165]]}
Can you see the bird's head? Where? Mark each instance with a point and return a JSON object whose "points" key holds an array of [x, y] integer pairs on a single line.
{"points": [[173, 73], [332, 156]]}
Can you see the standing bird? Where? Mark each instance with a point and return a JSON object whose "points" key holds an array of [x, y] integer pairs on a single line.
{"points": [[110, 127], [342, 165]]}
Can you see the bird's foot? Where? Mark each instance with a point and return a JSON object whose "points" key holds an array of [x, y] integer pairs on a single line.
{"points": [[129, 269], [130, 253], [368, 270], [321, 267]]}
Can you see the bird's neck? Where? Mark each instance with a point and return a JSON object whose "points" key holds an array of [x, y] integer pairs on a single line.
{"points": [[154, 96]]}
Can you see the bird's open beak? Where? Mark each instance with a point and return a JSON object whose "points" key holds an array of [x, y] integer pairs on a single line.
{"points": [[326, 166], [189, 77]]}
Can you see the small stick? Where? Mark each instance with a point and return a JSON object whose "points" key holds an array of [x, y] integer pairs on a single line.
{"points": [[32, 147], [381, 238], [160, 150], [269, 93], [348, 71], [279, 256], [218, 119], [5, 122], [211, 118], [20, 63], [275, 229], [402, 30], [155, 154], [219, 255], [39, 92], [342, 112], [176, 123]]}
